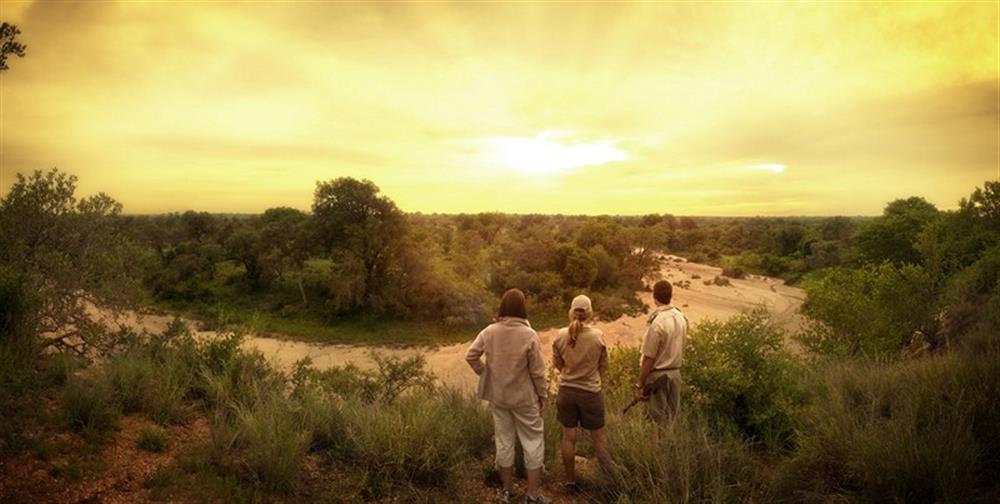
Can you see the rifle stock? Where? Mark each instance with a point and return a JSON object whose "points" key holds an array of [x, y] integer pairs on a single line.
{"points": [[649, 389]]}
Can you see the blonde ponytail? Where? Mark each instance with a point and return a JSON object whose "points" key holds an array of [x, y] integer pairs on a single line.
{"points": [[576, 323]]}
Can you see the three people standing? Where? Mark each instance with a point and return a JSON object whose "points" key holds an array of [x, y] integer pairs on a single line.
{"points": [[513, 380]]}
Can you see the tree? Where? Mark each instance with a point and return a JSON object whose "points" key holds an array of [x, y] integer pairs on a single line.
{"points": [[837, 229], [70, 256], [9, 45], [581, 269], [360, 228], [892, 236], [872, 310]]}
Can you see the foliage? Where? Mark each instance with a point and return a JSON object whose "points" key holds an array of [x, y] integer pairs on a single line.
{"points": [[358, 225], [871, 310], [580, 269], [69, 254], [739, 376], [9, 44], [891, 237], [153, 439], [393, 376], [90, 409], [914, 431]]}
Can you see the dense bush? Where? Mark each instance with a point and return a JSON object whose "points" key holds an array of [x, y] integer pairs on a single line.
{"points": [[739, 375], [872, 310]]}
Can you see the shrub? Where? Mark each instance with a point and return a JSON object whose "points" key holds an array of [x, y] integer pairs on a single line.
{"points": [[873, 310], [739, 375], [153, 440], [393, 376], [734, 272], [90, 409]]}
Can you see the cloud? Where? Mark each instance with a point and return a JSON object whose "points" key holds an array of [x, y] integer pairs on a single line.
{"points": [[672, 107]]}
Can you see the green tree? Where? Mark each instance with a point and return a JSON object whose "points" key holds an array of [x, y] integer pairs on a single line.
{"points": [[872, 310], [69, 255], [360, 228], [580, 270], [892, 237]]}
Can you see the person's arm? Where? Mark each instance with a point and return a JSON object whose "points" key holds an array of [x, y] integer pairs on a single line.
{"points": [[557, 358], [602, 363], [536, 367], [473, 356], [649, 349]]}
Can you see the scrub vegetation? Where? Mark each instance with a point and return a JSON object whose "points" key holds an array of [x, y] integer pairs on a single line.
{"points": [[889, 396]]}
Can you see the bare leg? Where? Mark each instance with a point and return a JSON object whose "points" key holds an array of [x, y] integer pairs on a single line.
{"points": [[534, 481], [601, 447], [507, 477], [569, 454]]}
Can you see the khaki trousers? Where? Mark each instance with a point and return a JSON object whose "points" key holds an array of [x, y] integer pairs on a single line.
{"points": [[526, 423], [664, 405]]}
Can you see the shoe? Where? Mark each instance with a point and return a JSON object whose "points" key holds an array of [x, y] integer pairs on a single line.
{"points": [[541, 499], [505, 497], [571, 487]]}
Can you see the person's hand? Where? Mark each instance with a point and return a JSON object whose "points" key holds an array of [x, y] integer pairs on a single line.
{"points": [[640, 393]]}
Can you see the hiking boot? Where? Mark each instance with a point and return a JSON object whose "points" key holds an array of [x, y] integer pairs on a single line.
{"points": [[505, 497], [541, 499]]}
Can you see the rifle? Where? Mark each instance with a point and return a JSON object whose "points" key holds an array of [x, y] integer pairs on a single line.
{"points": [[649, 389]]}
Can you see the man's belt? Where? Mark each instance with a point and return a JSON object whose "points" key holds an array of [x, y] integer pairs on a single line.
{"points": [[669, 368]]}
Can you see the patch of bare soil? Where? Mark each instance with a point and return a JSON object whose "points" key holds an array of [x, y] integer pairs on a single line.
{"points": [[110, 473]]}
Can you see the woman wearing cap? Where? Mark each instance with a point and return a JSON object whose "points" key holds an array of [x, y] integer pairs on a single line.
{"points": [[580, 355], [513, 380]]}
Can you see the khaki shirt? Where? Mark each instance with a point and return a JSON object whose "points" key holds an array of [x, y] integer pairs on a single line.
{"points": [[514, 372], [579, 366], [664, 340]]}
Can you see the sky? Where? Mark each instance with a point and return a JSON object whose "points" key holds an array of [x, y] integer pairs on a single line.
{"points": [[579, 108]]}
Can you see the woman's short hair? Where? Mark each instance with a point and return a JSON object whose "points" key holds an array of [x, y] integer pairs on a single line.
{"points": [[513, 305]]}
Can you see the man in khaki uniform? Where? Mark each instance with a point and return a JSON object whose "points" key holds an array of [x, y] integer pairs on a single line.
{"points": [[662, 353]]}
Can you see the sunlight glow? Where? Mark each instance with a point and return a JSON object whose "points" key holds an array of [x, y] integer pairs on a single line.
{"points": [[548, 153], [771, 167]]}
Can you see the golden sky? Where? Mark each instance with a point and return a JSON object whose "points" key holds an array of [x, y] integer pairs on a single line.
{"points": [[711, 109]]}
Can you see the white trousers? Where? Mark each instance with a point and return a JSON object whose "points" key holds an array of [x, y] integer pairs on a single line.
{"points": [[526, 422]]}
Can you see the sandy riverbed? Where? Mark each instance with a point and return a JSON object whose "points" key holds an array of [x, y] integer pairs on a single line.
{"points": [[698, 301]]}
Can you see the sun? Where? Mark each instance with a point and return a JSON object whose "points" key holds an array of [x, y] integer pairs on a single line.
{"points": [[549, 153]]}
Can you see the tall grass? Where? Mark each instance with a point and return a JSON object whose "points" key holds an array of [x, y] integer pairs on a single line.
{"points": [[915, 431], [90, 409], [421, 439], [687, 463], [690, 462]]}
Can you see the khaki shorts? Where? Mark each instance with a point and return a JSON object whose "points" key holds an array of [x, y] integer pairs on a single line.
{"points": [[578, 407], [664, 405]]}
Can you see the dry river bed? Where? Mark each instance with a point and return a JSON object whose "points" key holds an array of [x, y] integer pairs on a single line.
{"points": [[698, 301]]}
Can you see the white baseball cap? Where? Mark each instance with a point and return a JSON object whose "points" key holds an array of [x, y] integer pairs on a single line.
{"points": [[582, 302]]}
